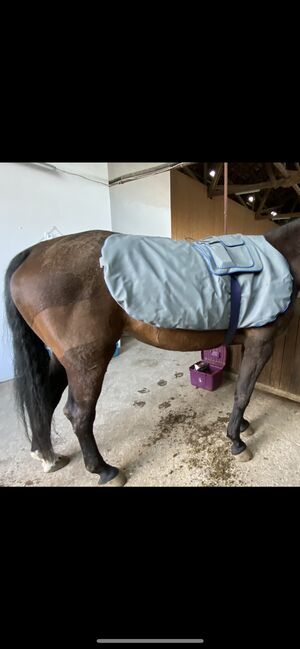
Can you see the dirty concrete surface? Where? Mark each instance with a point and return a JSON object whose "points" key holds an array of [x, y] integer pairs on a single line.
{"points": [[161, 430]]}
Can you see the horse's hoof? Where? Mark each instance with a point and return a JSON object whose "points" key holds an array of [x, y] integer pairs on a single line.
{"points": [[59, 463], [248, 432], [117, 480], [244, 456]]}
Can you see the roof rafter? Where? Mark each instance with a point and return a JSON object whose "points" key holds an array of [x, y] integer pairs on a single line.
{"points": [[191, 173], [277, 185], [285, 173], [289, 181], [215, 180], [262, 202], [283, 217]]}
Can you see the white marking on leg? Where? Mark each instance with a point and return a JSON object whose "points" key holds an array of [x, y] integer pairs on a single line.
{"points": [[46, 464], [36, 455]]}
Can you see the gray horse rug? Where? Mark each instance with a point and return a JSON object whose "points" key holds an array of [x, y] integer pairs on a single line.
{"points": [[188, 285]]}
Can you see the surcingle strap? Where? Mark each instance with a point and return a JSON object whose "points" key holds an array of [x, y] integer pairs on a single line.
{"points": [[234, 309]]}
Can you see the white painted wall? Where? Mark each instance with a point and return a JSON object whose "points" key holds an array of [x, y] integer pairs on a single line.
{"points": [[32, 201], [140, 206]]}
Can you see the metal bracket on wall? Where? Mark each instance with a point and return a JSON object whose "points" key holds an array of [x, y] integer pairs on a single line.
{"points": [[51, 234]]}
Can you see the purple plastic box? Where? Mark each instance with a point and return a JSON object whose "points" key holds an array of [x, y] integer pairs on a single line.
{"points": [[211, 378]]}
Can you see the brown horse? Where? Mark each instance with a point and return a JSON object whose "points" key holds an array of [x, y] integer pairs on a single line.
{"points": [[56, 298]]}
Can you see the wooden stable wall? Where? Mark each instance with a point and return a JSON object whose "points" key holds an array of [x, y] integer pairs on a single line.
{"points": [[195, 216], [281, 375]]}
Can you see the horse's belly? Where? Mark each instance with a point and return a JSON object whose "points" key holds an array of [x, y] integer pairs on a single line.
{"points": [[173, 339]]}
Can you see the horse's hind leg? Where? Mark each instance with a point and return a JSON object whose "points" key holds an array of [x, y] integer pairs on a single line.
{"points": [[245, 426], [257, 353], [41, 446], [86, 367]]}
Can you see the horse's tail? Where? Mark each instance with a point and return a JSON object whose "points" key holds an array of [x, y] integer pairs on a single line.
{"points": [[31, 360]]}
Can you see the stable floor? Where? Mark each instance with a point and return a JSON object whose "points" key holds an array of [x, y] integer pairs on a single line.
{"points": [[161, 430]]}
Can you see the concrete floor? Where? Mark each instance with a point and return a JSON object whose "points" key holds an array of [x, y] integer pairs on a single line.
{"points": [[162, 431]]}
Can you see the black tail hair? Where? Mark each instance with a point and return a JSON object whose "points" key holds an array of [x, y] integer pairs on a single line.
{"points": [[31, 361]]}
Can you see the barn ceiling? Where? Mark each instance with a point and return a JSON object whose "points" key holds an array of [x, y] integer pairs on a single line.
{"points": [[270, 189]]}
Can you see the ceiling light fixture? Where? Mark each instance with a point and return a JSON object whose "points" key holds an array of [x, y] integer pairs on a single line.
{"points": [[212, 173]]}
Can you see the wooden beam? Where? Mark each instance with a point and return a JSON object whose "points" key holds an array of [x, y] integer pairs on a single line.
{"points": [[265, 214], [215, 180], [270, 171], [281, 168], [238, 196], [283, 217], [242, 189], [262, 202], [292, 179], [294, 204], [285, 174], [205, 173], [261, 217], [297, 189], [191, 173]]}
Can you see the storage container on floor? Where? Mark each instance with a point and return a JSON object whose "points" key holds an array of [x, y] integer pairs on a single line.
{"points": [[211, 378]]}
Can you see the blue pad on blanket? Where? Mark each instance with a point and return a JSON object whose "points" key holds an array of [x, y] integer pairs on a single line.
{"points": [[230, 254]]}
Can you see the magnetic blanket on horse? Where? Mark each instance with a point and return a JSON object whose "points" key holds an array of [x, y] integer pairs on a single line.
{"points": [[187, 285]]}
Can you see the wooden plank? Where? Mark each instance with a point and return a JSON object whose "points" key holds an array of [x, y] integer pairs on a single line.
{"points": [[294, 385], [267, 388], [289, 355], [193, 214], [277, 392], [282, 372]]}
